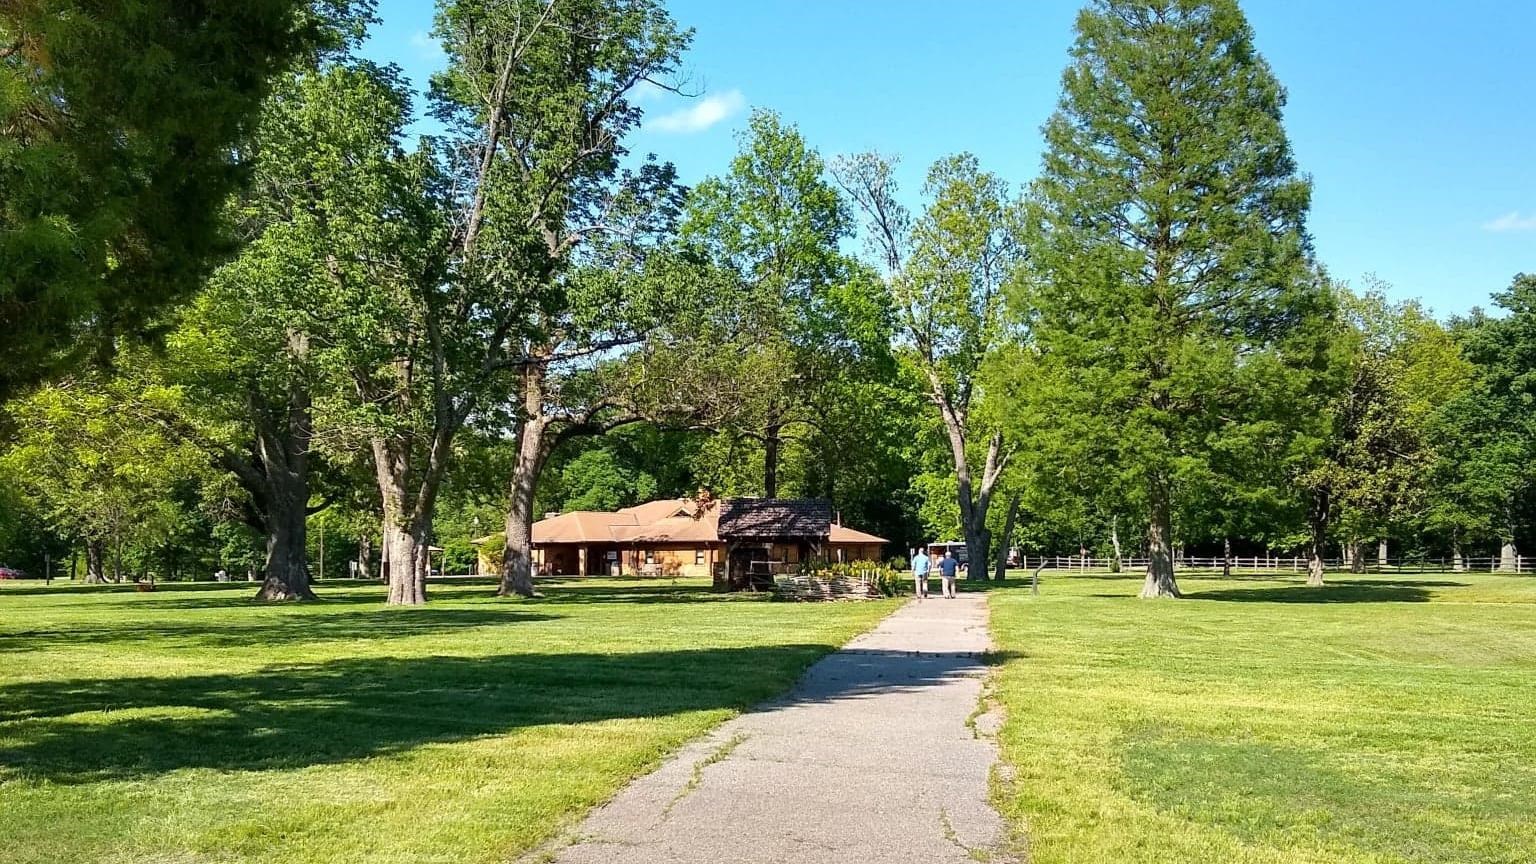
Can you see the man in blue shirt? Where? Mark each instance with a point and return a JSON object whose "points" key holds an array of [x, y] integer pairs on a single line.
{"points": [[948, 566], [920, 567]]}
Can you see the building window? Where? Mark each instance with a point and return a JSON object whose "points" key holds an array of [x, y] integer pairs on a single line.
{"points": [[698, 556]]}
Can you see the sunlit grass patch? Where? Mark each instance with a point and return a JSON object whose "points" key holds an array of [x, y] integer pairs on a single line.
{"points": [[190, 724], [1379, 719]]}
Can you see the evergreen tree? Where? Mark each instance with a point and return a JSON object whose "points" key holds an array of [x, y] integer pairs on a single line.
{"points": [[1173, 292], [121, 133]]}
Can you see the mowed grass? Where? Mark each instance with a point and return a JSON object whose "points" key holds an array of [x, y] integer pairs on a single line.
{"points": [[1379, 719], [192, 725]]}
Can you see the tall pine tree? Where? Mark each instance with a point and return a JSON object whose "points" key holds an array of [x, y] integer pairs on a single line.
{"points": [[1172, 290]]}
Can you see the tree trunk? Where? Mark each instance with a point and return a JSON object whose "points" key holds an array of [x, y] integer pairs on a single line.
{"points": [[517, 559], [286, 575], [772, 439], [1226, 557], [364, 557], [975, 500], [1507, 556], [95, 562], [1118, 562], [278, 479], [1356, 556], [403, 529], [978, 552], [1315, 551], [406, 548], [1160, 579], [1007, 544]]}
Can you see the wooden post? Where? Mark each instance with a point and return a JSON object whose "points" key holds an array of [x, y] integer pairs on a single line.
{"points": [[581, 560]]}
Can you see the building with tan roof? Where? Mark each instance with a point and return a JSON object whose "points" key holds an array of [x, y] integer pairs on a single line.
{"points": [[684, 537]]}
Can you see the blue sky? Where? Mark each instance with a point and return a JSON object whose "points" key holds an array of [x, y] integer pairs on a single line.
{"points": [[1415, 118]]}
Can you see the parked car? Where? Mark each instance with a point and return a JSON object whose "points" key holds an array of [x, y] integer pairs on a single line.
{"points": [[12, 573]]}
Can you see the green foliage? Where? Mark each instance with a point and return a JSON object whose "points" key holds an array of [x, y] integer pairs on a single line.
{"points": [[795, 322], [97, 468], [596, 480], [26, 538], [123, 128], [1485, 439], [1401, 372]]}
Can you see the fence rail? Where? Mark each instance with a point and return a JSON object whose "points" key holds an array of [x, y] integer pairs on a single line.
{"points": [[1291, 564]]}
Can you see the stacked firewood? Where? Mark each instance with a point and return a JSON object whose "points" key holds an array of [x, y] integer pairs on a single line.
{"points": [[824, 586]]}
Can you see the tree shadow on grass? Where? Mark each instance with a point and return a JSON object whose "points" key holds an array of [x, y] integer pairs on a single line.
{"points": [[261, 629], [637, 593], [62, 587], [285, 718], [1337, 591], [201, 595]]}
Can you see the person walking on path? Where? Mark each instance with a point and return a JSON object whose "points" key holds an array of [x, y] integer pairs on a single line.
{"points": [[948, 567], [920, 567]]}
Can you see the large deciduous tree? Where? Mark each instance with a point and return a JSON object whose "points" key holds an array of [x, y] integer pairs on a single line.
{"points": [[1396, 370], [538, 98], [947, 271], [798, 315], [1485, 441], [1168, 244], [122, 127], [335, 232]]}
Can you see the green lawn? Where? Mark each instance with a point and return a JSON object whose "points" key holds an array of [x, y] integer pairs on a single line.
{"points": [[190, 725], [1380, 719]]}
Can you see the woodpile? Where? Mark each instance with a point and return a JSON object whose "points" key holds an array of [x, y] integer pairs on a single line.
{"points": [[812, 586]]}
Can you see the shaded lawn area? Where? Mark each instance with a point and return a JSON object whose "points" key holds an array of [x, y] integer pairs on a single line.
{"points": [[1380, 719], [192, 725]]}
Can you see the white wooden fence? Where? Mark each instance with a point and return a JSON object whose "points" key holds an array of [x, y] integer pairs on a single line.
{"points": [[1287, 564]]}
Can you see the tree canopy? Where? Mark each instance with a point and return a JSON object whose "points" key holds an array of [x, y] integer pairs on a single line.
{"points": [[123, 129]]}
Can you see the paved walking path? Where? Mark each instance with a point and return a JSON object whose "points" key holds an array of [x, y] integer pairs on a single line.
{"points": [[874, 757]]}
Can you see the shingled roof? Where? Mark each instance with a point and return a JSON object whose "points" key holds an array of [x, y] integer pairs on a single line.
{"points": [[771, 518]]}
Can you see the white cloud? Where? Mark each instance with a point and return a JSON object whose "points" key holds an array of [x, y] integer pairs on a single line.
{"points": [[1512, 221], [427, 48], [702, 115]]}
